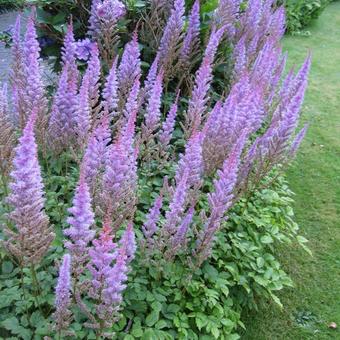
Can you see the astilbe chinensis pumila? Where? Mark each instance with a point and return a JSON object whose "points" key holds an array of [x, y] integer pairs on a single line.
{"points": [[32, 234], [104, 17], [200, 94], [169, 46], [7, 136], [226, 137], [219, 201], [63, 314], [80, 232], [108, 279], [129, 69], [191, 41]]}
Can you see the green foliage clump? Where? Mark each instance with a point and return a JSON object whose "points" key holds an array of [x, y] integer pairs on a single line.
{"points": [[299, 13], [164, 300]]}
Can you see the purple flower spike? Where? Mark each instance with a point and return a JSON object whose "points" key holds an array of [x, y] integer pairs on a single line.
{"points": [[33, 235], [63, 314], [94, 158], [199, 97], [172, 35], [168, 126], [128, 242], [81, 221], [220, 200], [153, 110], [297, 141], [129, 69], [110, 92], [191, 40], [150, 226], [35, 98]]}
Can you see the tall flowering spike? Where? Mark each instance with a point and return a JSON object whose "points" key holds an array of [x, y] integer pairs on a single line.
{"points": [[94, 157], [132, 102], [242, 110], [179, 240], [153, 110], [7, 134], [110, 92], [191, 40], [128, 242], [63, 314], [115, 279], [69, 51], [297, 141], [226, 15], [104, 16], [119, 183], [17, 76], [168, 126], [93, 73], [35, 98], [199, 97], [33, 235], [80, 221], [177, 205], [62, 120], [220, 200], [192, 161], [83, 115], [129, 69], [168, 48], [240, 58], [152, 74], [149, 228]]}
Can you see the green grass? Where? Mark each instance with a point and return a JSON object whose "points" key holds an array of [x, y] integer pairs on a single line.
{"points": [[315, 178]]}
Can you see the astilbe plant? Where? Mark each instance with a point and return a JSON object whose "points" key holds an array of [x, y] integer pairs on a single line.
{"points": [[209, 145]]}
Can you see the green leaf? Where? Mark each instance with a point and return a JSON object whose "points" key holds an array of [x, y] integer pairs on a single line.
{"points": [[152, 318], [266, 239], [7, 267], [161, 324], [12, 324]]}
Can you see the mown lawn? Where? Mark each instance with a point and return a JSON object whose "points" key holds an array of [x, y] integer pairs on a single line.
{"points": [[315, 178]]}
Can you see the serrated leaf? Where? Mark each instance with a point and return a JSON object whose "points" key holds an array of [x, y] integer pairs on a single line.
{"points": [[152, 318]]}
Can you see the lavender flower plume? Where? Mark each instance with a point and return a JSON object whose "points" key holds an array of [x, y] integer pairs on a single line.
{"points": [[178, 242], [128, 241], [94, 157], [63, 295], [191, 40], [192, 161], [35, 97], [62, 122], [93, 73], [177, 205], [104, 16], [80, 221], [153, 110], [297, 141], [226, 15], [168, 126], [110, 92], [116, 277], [220, 200], [199, 97], [119, 183], [129, 69], [152, 74], [33, 235], [68, 53], [168, 48], [149, 228], [17, 76], [83, 117], [7, 134]]}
